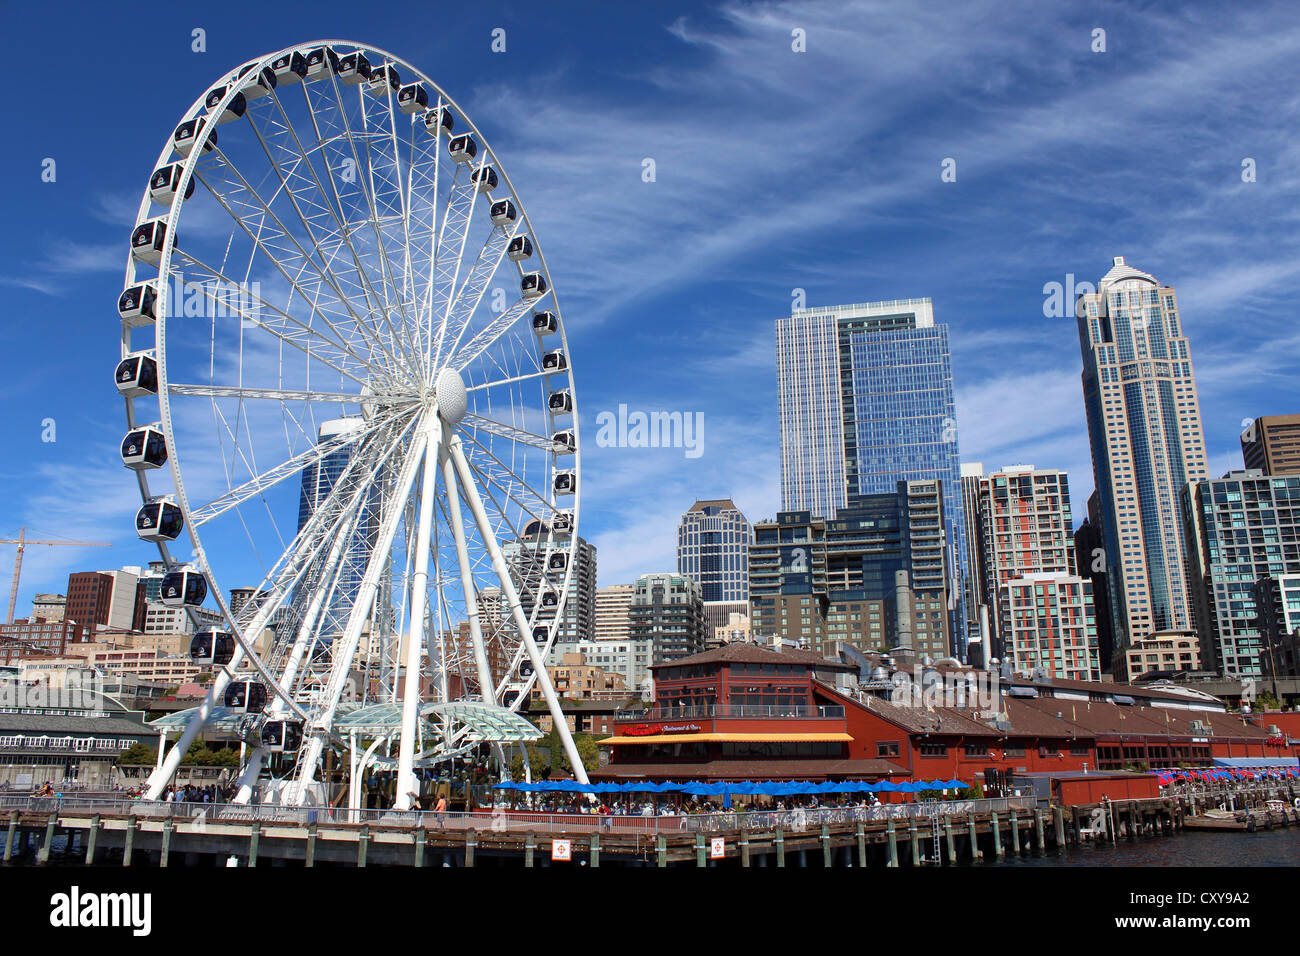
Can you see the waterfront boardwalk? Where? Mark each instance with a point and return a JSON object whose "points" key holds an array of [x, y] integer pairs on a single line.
{"points": [[119, 832]]}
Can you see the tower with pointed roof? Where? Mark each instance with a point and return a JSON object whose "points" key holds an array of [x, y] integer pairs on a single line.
{"points": [[1144, 426]]}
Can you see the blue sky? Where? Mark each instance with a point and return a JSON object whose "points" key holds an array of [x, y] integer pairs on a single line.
{"points": [[775, 170]]}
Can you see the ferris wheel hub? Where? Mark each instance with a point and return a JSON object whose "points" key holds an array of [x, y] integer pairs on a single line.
{"points": [[450, 396]]}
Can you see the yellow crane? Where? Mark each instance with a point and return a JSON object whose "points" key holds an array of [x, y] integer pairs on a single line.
{"points": [[23, 541]]}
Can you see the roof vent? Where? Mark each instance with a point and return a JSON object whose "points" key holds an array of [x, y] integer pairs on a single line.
{"points": [[1117, 260]]}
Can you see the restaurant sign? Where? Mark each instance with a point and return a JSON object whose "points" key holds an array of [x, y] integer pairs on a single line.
{"points": [[646, 730]]}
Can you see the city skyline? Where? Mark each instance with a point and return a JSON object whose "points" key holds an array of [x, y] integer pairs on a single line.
{"points": [[73, 267]]}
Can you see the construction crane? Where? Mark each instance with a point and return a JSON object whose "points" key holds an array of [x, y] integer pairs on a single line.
{"points": [[23, 541]]}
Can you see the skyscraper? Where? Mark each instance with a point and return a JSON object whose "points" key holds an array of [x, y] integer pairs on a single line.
{"points": [[1144, 426], [318, 480], [713, 542], [866, 401]]}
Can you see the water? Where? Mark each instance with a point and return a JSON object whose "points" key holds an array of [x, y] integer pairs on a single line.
{"points": [[1279, 847]]}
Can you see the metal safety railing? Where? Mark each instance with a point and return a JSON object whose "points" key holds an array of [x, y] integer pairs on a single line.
{"points": [[510, 819]]}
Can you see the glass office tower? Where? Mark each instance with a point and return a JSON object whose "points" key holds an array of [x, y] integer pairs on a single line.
{"points": [[318, 480], [866, 399]]}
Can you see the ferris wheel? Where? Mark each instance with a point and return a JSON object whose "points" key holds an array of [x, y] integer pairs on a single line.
{"points": [[349, 394]]}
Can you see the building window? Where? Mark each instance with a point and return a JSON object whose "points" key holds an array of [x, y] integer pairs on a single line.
{"points": [[934, 750], [887, 748]]}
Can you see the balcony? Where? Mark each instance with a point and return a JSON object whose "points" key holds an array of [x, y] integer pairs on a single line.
{"points": [[740, 711]]}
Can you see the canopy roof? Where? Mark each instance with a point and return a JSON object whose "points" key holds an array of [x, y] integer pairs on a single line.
{"points": [[482, 721], [222, 719], [487, 722]]}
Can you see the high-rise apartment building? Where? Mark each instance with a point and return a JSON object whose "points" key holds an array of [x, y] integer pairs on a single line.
{"points": [[525, 556], [866, 401], [1144, 426], [1050, 625], [1241, 529], [668, 611], [978, 626], [1027, 562], [713, 542], [611, 611], [1271, 444], [874, 576]]}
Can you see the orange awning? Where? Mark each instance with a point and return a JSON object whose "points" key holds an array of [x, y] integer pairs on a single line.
{"points": [[729, 738]]}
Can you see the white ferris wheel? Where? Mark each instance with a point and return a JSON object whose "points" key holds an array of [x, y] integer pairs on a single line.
{"points": [[346, 379]]}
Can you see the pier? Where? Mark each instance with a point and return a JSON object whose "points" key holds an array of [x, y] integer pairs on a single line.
{"points": [[108, 832]]}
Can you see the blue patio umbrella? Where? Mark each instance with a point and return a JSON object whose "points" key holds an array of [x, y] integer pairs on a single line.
{"points": [[954, 784]]}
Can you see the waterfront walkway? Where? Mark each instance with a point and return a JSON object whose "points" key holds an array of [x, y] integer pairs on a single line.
{"points": [[121, 831]]}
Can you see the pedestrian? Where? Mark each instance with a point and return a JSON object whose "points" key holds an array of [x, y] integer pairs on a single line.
{"points": [[440, 809]]}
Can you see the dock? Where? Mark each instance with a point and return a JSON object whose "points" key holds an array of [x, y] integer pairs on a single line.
{"points": [[107, 832]]}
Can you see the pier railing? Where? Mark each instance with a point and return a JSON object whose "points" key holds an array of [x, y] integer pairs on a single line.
{"points": [[502, 818], [747, 711], [521, 819]]}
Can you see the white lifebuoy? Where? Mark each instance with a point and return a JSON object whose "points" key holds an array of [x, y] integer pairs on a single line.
{"points": [[1296, 803]]}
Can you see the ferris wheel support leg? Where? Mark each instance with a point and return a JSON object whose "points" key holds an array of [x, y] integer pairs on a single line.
{"points": [[512, 597], [314, 746], [158, 779], [406, 782], [486, 685], [248, 779]]}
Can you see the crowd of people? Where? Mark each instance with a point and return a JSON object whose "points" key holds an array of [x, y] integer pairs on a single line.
{"points": [[672, 805]]}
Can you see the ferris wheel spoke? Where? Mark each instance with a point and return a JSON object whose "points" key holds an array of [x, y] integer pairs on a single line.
{"points": [[292, 253], [512, 432], [284, 394], [373, 216], [533, 496], [486, 337], [338, 207], [259, 484], [302, 332], [450, 250], [525, 377], [461, 308], [327, 241]]}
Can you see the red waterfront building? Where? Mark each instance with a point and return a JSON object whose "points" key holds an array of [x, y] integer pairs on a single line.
{"points": [[743, 712]]}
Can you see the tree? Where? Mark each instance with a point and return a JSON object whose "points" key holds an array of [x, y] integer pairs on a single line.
{"points": [[138, 755]]}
